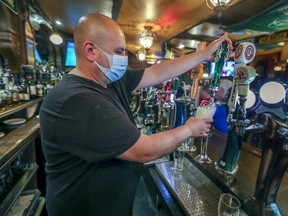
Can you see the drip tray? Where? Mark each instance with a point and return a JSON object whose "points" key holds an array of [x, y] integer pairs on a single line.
{"points": [[193, 190]]}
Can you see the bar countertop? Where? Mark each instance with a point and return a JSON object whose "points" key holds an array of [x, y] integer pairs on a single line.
{"points": [[243, 186], [249, 161]]}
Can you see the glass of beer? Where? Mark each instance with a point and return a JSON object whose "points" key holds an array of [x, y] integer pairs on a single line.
{"points": [[205, 110]]}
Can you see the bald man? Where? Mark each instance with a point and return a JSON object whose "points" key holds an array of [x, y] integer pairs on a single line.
{"points": [[94, 151]]}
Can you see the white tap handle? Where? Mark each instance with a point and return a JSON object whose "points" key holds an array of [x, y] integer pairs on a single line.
{"points": [[245, 53]]}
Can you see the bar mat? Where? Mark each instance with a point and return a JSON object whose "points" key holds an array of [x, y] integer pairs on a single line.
{"points": [[198, 197]]}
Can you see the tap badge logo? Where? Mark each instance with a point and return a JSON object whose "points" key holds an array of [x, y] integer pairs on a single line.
{"points": [[238, 51], [241, 74], [249, 52]]}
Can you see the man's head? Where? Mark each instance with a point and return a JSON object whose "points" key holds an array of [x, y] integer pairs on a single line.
{"points": [[224, 86], [95, 34], [205, 92]]}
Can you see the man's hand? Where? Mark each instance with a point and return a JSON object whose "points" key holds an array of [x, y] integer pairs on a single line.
{"points": [[199, 127], [213, 46]]}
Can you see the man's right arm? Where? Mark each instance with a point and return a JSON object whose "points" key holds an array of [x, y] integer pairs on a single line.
{"points": [[151, 147]]}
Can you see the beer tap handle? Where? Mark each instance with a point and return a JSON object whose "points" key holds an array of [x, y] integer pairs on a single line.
{"points": [[221, 57], [256, 128], [233, 98]]}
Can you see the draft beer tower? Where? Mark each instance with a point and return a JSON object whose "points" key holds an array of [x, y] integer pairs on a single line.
{"points": [[237, 121]]}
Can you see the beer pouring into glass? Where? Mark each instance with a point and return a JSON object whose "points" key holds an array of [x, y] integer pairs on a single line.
{"points": [[207, 109]]}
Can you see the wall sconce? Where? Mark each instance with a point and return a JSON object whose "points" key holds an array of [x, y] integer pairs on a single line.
{"points": [[141, 55], [277, 68], [219, 5], [146, 38], [56, 38]]}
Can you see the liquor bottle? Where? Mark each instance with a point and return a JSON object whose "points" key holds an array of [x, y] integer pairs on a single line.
{"points": [[2, 94], [15, 90], [39, 84], [9, 94], [31, 84], [25, 90]]}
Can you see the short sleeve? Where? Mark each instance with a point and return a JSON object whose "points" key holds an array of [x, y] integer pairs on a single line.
{"points": [[132, 79]]}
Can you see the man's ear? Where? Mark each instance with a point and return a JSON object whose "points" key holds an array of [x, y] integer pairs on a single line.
{"points": [[88, 51]]}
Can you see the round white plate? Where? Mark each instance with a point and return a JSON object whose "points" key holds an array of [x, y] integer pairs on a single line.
{"points": [[14, 121]]}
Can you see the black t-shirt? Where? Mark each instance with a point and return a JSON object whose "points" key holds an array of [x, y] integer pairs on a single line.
{"points": [[84, 127]]}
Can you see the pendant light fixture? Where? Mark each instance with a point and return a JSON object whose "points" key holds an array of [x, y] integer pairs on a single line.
{"points": [[141, 55], [219, 6], [146, 38], [56, 38]]}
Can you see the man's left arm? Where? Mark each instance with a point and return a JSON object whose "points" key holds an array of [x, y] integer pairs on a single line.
{"points": [[172, 68]]}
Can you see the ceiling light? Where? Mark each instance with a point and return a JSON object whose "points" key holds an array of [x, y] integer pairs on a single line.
{"points": [[151, 61], [56, 38], [146, 37], [58, 22], [277, 68], [141, 55], [219, 5], [205, 75], [181, 46]]}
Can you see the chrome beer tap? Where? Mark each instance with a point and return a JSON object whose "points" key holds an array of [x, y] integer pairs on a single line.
{"points": [[237, 120], [274, 149], [244, 75], [196, 74], [274, 163]]}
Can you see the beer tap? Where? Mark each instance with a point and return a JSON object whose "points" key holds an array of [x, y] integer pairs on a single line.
{"points": [[237, 119], [221, 57], [244, 75], [274, 163], [196, 74]]}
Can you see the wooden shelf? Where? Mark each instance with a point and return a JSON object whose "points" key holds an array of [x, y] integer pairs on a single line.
{"points": [[11, 145], [17, 189], [8, 110], [17, 140]]}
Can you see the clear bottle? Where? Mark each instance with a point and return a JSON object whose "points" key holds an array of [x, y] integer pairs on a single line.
{"points": [[39, 84], [31, 84], [25, 90], [15, 91], [9, 94], [2, 94]]}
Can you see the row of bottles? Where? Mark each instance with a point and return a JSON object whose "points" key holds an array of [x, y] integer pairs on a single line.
{"points": [[31, 82]]}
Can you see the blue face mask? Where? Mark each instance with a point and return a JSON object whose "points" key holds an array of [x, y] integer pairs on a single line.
{"points": [[117, 64]]}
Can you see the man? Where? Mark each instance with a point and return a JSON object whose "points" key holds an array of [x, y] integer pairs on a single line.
{"points": [[93, 149], [220, 117]]}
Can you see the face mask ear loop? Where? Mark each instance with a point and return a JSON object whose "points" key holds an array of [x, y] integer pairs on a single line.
{"points": [[106, 54]]}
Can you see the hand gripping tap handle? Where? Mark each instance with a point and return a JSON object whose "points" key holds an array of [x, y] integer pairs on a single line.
{"points": [[221, 57], [243, 75]]}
